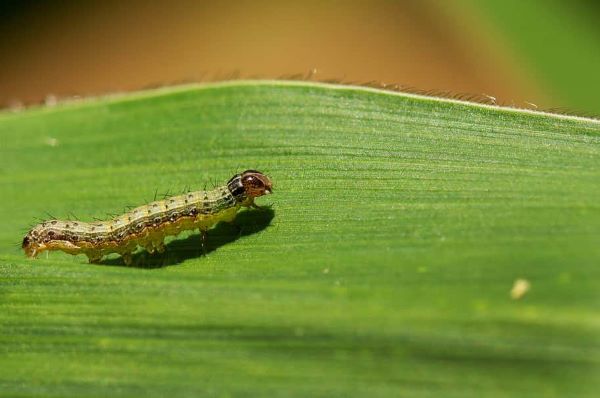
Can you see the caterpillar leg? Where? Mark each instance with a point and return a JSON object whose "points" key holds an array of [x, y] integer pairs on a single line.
{"points": [[150, 248], [159, 246], [257, 207], [203, 240]]}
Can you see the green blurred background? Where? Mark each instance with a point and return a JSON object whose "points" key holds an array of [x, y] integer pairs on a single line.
{"points": [[545, 53]]}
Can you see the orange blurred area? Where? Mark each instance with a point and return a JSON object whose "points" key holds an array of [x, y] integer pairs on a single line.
{"points": [[93, 48]]}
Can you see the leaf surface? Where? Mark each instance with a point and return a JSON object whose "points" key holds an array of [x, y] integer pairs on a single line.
{"points": [[398, 227]]}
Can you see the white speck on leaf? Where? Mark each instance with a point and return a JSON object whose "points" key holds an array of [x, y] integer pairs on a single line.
{"points": [[519, 289], [51, 141]]}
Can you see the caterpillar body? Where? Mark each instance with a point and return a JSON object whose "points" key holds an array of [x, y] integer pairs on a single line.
{"points": [[148, 225]]}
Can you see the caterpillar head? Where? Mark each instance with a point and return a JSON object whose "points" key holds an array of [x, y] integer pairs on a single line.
{"points": [[256, 183]]}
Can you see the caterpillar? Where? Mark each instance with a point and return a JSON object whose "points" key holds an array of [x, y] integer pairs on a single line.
{"points": [[147, 226]]}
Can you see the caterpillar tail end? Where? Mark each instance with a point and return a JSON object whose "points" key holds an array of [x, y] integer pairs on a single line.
{"points": [[30, 247]]}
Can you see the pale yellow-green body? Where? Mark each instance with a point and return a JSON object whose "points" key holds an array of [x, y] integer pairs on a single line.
{"points": [[146, 226]]}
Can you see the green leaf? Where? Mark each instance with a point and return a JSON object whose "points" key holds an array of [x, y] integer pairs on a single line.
{"points": [[398, 226]]}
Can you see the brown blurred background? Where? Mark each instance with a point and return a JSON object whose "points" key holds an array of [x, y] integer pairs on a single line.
{"points": [[50, 49]]}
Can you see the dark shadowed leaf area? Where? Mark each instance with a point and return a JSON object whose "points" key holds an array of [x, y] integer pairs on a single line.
{"points": [[383, 267]]}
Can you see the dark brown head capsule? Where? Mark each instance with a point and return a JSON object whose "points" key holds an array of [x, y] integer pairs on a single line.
{"points": [[256, 183]]}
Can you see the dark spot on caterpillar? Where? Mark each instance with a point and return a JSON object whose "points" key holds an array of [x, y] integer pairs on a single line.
{"points": [[52, 235], [193, 211], [172, 200], [149, 211], [75, 224], [92, 228], [140, 226], [67, 226], [53, 222]]}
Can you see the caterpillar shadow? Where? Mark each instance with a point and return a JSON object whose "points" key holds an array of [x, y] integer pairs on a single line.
{"points": [[246, 223]]}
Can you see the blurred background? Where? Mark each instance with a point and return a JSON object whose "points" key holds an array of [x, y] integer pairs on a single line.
{"points": [[524, 53]]}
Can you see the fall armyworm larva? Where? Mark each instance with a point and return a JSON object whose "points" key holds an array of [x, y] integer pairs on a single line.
{"points": [[147, 226]]}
